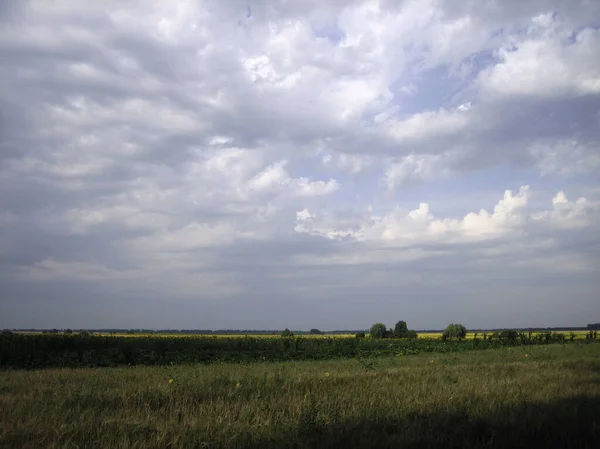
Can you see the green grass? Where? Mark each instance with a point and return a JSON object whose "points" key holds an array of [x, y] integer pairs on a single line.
{"points": [[534, 396]]}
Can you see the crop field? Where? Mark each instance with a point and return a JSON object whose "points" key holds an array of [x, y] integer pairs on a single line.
{"points": [[523, 396], [579, 335], [33, 351]]}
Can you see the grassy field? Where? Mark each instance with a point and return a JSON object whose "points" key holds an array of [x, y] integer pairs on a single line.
{"points": [[527, 396]]}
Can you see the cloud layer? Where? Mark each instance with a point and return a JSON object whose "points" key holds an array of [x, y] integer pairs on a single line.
{"points": [[299, 164]]}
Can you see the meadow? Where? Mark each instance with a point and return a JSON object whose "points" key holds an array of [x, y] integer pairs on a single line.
{"points": [[523, 396]]}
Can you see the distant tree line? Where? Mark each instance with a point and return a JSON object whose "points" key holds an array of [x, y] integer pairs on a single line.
{"points": [[400, 332]]}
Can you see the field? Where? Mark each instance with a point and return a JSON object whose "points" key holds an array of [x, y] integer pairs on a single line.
{"points": [[523, 396], [80, 350], [579, 335]]}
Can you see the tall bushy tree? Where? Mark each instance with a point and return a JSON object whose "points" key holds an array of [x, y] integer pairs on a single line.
{"points": [[378, 330], [457, 331], [401, 329]]}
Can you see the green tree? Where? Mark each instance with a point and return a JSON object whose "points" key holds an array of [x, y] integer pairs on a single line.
{"points": [[401, 329], [378, 330], [360, 335], [457, 331], [315, 332]]}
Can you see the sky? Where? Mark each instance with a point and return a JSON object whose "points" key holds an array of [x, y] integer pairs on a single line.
{"points": [[304, 164]]}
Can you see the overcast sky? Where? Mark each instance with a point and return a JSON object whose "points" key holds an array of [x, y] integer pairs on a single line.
{"points": [[270, 164]]}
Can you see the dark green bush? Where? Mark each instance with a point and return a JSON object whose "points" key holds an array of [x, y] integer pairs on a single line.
{"points": [[509, 336], [456, 331], [378, 331], [411, 334], [287, 333]]}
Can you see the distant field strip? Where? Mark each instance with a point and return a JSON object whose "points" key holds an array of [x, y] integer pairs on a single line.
{"points": [[579, 334]]}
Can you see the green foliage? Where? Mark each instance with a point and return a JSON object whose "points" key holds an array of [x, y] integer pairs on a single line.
{"points": [[287, 333], [401, 329], [378, 331], [509, 335], [359, 335], [76, 350], [411, 334], [457, 331], [315, 332], [572, 336], [367, 364]]}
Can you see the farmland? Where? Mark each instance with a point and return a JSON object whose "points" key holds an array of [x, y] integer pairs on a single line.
{"points": [[491, 390], [511, 396], [82, 350], [579, 334]]}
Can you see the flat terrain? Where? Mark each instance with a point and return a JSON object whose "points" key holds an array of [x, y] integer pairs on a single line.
{"points": [[578, 334], [527, 396]]}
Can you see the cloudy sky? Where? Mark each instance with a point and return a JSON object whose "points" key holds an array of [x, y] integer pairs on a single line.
{"points": [[270, 164]]}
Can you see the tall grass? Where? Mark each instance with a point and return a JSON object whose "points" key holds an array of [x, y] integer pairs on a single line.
{"points": [[535, 396]]}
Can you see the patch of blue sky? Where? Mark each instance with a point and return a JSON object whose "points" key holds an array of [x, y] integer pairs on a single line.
{"points": [[330, 31], [439, 87]]}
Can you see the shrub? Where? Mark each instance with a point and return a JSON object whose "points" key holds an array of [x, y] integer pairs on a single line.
{"points": [[315, 332], [457, 331], [378, 330], [359, 335], [287, 333], [411, 334], [509, 336]]}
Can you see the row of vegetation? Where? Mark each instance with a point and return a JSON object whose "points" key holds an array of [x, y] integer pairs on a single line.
{"points": [[401, 330], [70, 350], [459, 332]]}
